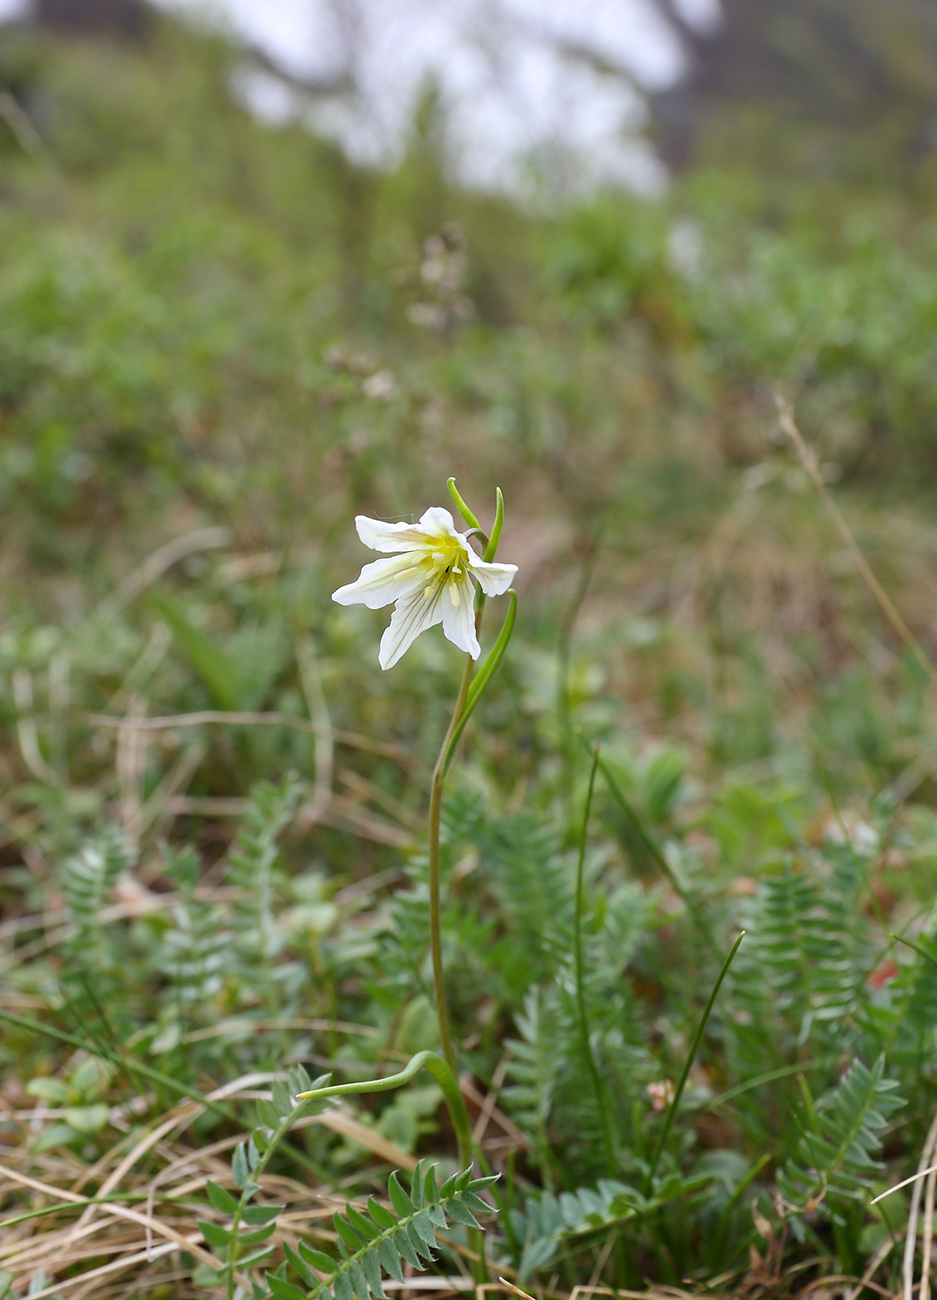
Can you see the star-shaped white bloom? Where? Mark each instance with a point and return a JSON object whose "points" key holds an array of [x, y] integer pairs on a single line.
{"points": [[428, 578]]}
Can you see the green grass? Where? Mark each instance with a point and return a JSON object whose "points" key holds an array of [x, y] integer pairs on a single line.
{"points": [[218, 343]]}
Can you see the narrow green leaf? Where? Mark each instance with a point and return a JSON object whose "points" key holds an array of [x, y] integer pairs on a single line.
{"points": [[281, 1097], [436, 1214], [360, 1223], [359, 1281], [239, 1167], [390, 1259], [205, 1275], [461, 506], [398, 1197], [405, 1247], [284, 1290], [416, 1186], [418, 1244], [380, 1214], [430, 1187], [317, 1259], [299, 1080], [219, 673], [257, 1235], [473, 1202], [261, 1213], [491, 550], [222, 1200], [347, 1233], [372, 1269], [425, 1229], [253, 1151], [254, 1258], [267, 1114], [214, 1233], [484, 675], [299, 1265], [341, 1285], [6, 1281], [459, 1214]]}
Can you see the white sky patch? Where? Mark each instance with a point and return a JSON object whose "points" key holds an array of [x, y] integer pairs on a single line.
{"points": [[521, 97], [704, 13]]}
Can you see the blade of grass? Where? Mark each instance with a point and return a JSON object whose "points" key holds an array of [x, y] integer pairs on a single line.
{"points": [[688, 1063], [653, 848], [580, 964]]}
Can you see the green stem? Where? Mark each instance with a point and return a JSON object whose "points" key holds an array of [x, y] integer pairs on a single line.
{"points": [[435, 909], [916, 947], [448, 1081], [434, 1064], [581, 976], [276, 1138], [564, 642]]}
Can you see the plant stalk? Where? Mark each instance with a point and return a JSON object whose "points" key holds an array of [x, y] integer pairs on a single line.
{"points": [[435, 908]]}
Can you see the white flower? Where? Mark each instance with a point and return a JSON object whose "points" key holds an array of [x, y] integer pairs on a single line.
{"points": [[428, 578]]}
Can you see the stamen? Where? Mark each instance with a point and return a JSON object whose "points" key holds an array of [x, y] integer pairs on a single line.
{"points": [[454, 594], [428, 591]]}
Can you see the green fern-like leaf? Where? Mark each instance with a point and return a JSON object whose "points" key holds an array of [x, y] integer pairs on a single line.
{"points": [[378, 1240], [534, 1061], [87, 879], [252, 867], [549, 1219], [534, 880], [836, 1158], [803, 970]]}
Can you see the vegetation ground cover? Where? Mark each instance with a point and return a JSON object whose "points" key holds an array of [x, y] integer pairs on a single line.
{"points": [[218, 344]]}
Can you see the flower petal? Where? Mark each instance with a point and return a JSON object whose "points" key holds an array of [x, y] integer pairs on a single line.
{"points": [[383, 581], [380, 536], [494, 579], [414, 613], [438, 522], [458, 617]]}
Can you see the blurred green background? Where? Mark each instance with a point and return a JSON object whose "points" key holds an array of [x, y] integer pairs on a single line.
{"points": [[207, 322]]}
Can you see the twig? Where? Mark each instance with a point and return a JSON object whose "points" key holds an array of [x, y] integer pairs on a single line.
{"points": [[200, 539], [205, 717], [808, 460], [928, 1237], [25, 134], [927, 1156], [26, 729]]}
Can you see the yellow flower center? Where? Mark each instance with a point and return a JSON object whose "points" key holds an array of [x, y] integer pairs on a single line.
{"points": [[450, 567]]}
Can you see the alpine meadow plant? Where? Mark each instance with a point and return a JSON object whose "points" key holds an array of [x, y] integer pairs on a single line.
{"points": [[435, 577], [430, 581]]}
